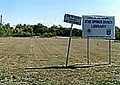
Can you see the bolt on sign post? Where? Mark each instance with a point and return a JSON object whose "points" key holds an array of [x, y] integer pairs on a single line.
{"points": [[98, 27], [73, 20]]}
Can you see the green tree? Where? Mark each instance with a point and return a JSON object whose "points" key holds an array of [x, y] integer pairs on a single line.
{"points": [[117, 33], [39, 29], [77, 32]]}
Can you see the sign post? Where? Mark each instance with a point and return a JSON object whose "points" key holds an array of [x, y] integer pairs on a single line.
{"points": [[98, 27], [109, 59], [73, 20], [69, 44], [88, 50]]}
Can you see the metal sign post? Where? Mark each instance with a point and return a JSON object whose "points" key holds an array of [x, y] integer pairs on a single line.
{"points": [[69, 44], [109, 59], [73, 20], [88, 50]]}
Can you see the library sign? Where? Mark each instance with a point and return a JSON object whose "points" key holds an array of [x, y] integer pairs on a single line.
{"points": [[100, 27]]}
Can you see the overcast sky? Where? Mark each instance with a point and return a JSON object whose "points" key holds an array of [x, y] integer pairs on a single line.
{"points": [[49, 12]]}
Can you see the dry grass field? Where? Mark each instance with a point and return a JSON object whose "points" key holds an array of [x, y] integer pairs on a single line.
{"points": [[41, 61]]}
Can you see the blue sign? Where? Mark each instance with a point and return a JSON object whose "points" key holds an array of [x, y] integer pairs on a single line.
{"points": [[72, 19]]}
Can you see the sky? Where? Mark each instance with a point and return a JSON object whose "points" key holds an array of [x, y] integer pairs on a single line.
{"points": [[49, 12]]}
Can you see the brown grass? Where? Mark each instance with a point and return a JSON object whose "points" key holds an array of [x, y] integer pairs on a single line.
{"points": [[34, 61]]}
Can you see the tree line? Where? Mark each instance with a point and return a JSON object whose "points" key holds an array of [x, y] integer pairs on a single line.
{"points": [[26, 30], [36, 30]]}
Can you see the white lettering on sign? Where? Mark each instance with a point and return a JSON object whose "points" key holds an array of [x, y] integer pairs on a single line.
{"points": [[72, 19]]}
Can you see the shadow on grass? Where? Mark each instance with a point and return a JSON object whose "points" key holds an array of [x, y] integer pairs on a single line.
{"points": [[76, 66]]}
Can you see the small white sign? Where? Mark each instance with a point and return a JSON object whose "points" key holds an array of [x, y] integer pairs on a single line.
{"points": [[100, 27], [72, 19]]}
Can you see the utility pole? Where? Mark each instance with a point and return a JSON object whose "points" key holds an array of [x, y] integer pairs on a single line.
{"points": [[1, 19]]}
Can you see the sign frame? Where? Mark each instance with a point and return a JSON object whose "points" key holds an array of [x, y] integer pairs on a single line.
{"points": [[98, 27]]}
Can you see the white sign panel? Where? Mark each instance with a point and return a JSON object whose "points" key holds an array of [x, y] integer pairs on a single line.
{"points": [[100, 27], [72, 19]]}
